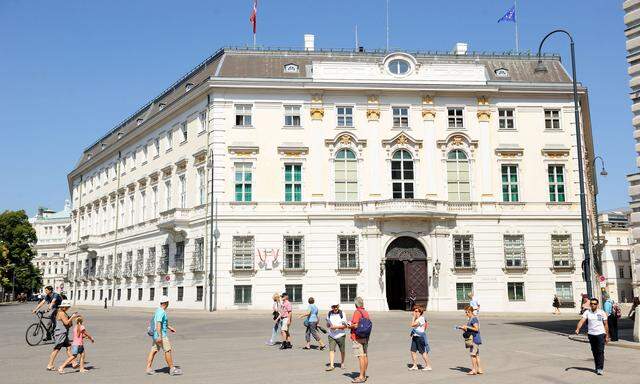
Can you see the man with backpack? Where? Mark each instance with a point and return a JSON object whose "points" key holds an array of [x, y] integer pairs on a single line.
{"points": [[612, 309], [360, 333], [158, 327]]}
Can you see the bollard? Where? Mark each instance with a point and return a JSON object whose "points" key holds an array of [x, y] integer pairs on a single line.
{"points": [[105, 303]]}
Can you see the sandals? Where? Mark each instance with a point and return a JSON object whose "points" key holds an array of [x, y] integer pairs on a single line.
{"points": [[51, 368], [359, 380]]}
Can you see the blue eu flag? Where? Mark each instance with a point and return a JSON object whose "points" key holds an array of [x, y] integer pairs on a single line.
{"points": [[510, 15]]}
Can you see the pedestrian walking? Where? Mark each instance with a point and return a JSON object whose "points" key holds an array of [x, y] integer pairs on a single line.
{"points": [[474, 303], [158, 328], [472, 340], [556, 305], [311, 324], [597, 332], [61, 334], [419, 340], [612, 309], [285, 321], [337, 324], [584, 306], [53, 300], [77, 345], [275, 329], [360, 332], [632, 312]]}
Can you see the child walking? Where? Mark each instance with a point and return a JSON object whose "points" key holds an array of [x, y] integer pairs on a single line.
{"points": [[77, 346]]}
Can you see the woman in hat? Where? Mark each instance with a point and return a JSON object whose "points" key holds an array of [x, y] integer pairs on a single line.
{"points": [[61, 334]]}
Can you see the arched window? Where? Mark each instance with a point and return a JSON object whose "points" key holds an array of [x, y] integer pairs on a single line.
{"points": [[458, 176], [346, 175], [402, 175]]}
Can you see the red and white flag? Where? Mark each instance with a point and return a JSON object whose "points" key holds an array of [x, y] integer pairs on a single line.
{"points": [[254, 16]]}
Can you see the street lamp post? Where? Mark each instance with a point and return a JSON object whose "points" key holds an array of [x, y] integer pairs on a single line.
{"points": [[603, 172], [583, 204], [213, 244]]}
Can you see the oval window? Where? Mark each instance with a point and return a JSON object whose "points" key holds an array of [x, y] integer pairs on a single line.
{"points": [[398, 67]]}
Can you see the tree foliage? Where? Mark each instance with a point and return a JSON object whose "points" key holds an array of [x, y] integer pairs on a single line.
{"points": [[17, 238]]}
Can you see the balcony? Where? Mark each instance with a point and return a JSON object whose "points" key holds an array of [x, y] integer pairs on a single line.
{"points": [[177, 266], [400, 208], [163, 266], [138, 270], [117, 271], [467, 265], [197, 263], [150, 268], [108, 272], [563, 264], [88, 242], [515, 265], [127, 271], [174, 220]]}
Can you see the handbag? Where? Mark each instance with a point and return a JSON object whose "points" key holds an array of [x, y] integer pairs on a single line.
{"points": [[468, 339]]}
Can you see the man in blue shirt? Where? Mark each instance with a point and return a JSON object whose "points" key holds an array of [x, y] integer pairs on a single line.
{"points": [[160, 325], [612, 318], [53, 300]]}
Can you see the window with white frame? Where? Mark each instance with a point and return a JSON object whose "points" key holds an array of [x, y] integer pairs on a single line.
{"points": [[167, 194], [122, 211], [292, 115], [243, 115], [564, 291], [241, 294], [510, 192], [463, 251], [169, 140], [202, 121], [295, 292], [506, 119], [514, 251], [156, 146], [402, 175], [293, 252], [132, 210], [455, 117], [243, 252], [348, 293], [346, 175], [458, 183], [400, 117], [292, 182], [154, 197], [552, 119], [556, 183], [201, 186], [183, 131], [105, 218], [515, 291], [347, 252], [133, 161], [243, 181], [561, 251], [183, 191], [143, 205], [345, 116]]}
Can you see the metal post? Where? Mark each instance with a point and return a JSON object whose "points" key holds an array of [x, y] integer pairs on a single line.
{"points": [[211, 240], [216, 235], [583, 203]]}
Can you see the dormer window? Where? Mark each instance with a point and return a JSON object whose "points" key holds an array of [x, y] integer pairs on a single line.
{"points": [[139, 121], [120, 134], [399, 67], [89, 156], [161, 106], [188, 86], [502, 72], [103, 146], [291, 68]]}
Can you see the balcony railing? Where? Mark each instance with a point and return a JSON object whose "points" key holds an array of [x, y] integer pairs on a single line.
{"points": [[177, 266], [465, 265], [197, 262], [150, 268], [515, 264], [92, 274], [127, 272], [163, 266], [563, 263], [138, 270], [117, 271], [100, 271], [108, 272]]}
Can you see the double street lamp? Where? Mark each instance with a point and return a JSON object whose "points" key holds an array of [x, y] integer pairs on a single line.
{"points": [[540, 68]]}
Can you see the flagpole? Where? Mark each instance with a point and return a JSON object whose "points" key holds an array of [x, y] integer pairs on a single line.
{"points": [[387, 22], [357, 43], [254, 41], [515, 8]]}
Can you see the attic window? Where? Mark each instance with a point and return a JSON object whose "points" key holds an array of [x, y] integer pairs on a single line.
{"points": [[139, 121], [120, 134], [103, 146], [89, 156], [502, 72], [188, 86], [161, 106], [291, 68]]}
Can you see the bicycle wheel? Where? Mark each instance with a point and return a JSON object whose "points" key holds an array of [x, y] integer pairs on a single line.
{"points": [[35, 334]]}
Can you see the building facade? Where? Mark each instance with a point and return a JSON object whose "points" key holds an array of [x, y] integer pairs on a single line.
{"points": [[617, 255], [632, 32], [51, 248], [391, 176]]}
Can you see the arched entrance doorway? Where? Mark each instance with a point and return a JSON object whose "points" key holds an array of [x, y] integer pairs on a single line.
{"points": [[406, 273]]}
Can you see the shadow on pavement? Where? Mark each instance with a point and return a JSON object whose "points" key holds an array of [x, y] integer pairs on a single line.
{"points": [[461, 369], [579, 369], [567, 327]]}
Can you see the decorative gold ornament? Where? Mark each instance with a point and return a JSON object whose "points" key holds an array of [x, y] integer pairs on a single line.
{"points": [[345, 140], [427, 100], [483, 100], [402, 139], [373, 114], [484, 115], [317, 113], [428, 114], [316, 98], [373, 99], [457, 141]]}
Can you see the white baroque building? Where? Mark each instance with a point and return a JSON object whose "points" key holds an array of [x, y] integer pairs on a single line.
{"points": [[617, 255], [336, 174], [51, 248]]}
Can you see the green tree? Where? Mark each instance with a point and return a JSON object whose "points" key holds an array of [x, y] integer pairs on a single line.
{"points": [[17, 237]]}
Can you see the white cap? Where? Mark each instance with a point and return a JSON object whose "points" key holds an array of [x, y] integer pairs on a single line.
{"points": [[164, 299], [65, 303]]}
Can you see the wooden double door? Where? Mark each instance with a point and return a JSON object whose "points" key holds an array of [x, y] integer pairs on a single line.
{"points": [[407, 278]]}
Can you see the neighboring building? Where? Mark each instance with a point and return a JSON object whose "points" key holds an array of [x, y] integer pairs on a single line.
{"points": [[616, 254], [383, 175], [632, 22], [51, 247]]}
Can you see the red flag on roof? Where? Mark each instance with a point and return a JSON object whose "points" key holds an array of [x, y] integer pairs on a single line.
{"points": [[254, 16]]}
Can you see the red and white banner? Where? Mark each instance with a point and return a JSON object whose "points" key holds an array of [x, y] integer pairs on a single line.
{"points": [[254, 16]]}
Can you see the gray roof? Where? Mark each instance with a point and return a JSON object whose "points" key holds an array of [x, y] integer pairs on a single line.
{"points": [[269, 63]]}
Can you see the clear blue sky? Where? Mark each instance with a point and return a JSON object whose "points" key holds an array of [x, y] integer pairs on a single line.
{"points": [[70, 70]]}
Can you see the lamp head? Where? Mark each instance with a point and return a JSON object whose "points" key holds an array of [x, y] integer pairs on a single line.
{"points": [[604, 172]]}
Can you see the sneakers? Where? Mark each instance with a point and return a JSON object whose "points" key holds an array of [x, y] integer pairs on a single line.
{"points": [[413, 368], [599, 372], [150, 371], [427, 369], [175, 371]]}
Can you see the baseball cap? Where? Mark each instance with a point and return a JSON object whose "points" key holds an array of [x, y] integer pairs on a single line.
{"points": [[65, 303], [164, 299], [284, 294], [335, 305]]}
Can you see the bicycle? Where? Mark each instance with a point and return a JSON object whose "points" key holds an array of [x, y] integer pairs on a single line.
{"points": [[38, 332]]}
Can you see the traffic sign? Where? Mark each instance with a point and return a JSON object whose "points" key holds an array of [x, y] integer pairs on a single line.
{"points": [[167, 278], [602, 279]]}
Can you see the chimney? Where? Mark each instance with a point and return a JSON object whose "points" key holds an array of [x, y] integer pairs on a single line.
{"points": [[309, 42], [460, 48]]}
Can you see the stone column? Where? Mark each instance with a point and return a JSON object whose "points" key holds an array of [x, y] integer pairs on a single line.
{"points": [[370, 260], [484, 119], [430, 148]]}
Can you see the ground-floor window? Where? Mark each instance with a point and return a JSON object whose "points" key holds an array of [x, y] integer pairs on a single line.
{"points": [[128, 294], [118, 294], [242, 294], [564, 291], [199, 292], [180, 293], [165, 291], [140, 294], [462, 294], [348, 293], [152, 294], [101, 294], [93, 294], [515, 291], [295, 292], [109, 294], [85, 294], [71, 297]]}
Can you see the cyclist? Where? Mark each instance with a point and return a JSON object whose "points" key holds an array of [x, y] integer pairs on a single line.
{"points": [[53, 300]]}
